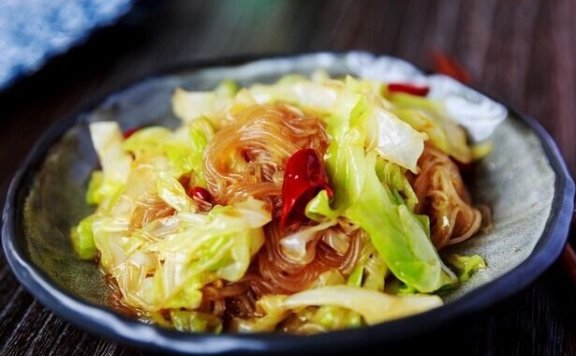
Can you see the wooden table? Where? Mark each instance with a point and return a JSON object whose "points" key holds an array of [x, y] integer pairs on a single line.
{"points": [[522, 51]]}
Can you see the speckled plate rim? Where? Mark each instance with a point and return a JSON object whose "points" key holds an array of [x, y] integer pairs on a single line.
{"points": [[106, 323]]}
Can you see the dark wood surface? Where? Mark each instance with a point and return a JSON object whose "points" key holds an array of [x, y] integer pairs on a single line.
{"points": [[522, 51]]}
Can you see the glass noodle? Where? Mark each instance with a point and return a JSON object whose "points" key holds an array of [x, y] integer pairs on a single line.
{"points": [[190, 227]]}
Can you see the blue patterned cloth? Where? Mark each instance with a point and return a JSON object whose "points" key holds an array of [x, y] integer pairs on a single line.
{"points": [[31, 31]]}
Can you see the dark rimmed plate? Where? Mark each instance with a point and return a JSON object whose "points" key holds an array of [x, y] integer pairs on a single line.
{"points": [[524, 181]]}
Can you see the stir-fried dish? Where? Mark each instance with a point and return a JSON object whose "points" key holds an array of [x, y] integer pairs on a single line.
{"points": [[303, 206]]}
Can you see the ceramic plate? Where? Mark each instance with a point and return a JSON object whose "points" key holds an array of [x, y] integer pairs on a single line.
{"points": [[524, 181]]}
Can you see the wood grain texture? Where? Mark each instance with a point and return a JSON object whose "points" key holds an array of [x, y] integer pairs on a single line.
{"points": [[522, 51]]}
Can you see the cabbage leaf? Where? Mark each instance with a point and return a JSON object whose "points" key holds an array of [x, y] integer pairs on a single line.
{"points": [[107, 139], [375, 307], [465, 266], [196, 250], [429, 116], [377, 204]]}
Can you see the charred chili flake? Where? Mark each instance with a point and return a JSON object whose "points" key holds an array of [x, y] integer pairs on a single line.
{"points": [[304, 177], [185, 180], [408, 89], [130, 132], [201, 196], [444, 64]]}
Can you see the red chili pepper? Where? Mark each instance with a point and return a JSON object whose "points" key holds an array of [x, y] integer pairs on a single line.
{"points": [[130, 132], [408, 89], [201, 196], [444, 64], [304, 177], [185, 181]]}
